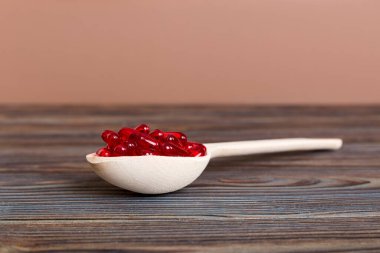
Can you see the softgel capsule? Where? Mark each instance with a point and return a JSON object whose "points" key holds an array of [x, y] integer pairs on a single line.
{"points": [[140, 141]]}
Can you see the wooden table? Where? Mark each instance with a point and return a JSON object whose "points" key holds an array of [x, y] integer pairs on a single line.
{"points": [[50, 200]]}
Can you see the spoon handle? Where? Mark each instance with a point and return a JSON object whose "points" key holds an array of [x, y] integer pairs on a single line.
{"points": [[222, 149]]}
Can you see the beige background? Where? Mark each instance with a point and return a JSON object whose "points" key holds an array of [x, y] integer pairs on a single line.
{"points": [[254, 51]]}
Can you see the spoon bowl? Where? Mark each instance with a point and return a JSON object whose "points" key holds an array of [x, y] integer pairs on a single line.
{"points": [[163, 174], [149, 174]]}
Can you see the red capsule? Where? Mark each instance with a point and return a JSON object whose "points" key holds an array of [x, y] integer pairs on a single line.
{"points": [[125, 132], [113, 139], [170, 149], [131, 148], [196, 149], [180, 136], [143, 141], [158, 134], [103, 152], [120, 150], [105, 135], [138, 141], [143, 128], [172, 139], [147, 152]]}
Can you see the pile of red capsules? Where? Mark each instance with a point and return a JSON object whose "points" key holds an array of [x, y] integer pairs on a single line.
{"points": [[141, 141]]}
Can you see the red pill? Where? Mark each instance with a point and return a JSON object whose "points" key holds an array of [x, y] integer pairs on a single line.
{"points": [[158, 134], [143, 141], [138, 142], [147, 152], [170, 149], [125, 132], [105, 135], [120, 150], [131, 148], [196, 149], [172, 139], [143, 128], [103, 152], [113, 139], [180, 136]]}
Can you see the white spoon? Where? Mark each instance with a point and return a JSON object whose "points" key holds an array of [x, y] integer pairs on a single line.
{"points": [[162, 174]]}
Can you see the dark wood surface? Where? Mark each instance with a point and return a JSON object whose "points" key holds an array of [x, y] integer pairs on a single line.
{"points": [[50, 200]]}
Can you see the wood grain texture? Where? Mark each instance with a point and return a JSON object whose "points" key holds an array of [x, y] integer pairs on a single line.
{"points": [[50, 200]]}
